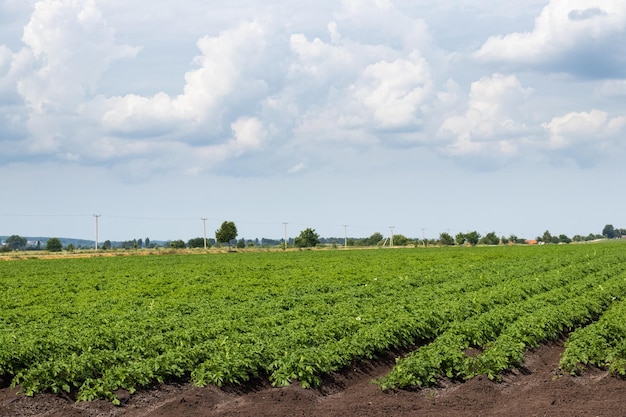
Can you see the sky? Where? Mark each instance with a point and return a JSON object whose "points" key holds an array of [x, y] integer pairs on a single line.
{"points": [[350, 117]]}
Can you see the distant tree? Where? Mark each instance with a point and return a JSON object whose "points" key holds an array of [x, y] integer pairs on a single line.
{"points": [[460, 238], [197, 242], [546, 238], [400, 240], [609, 231], [177, 244], [147, 242], [445, 239], [472, 237], [70, 247], [578, 238], [564, 239], [226, 233], [140, 243], [54, 245], [373, 240], [307, 239], [241, 243], [107, 244], [490, 239], [16, 242]]}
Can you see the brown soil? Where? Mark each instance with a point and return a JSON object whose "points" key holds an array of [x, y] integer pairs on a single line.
{"points": [[537, 389]]}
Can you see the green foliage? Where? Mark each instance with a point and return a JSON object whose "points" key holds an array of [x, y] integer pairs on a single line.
{"points": [[472, 237], [91, 326], [308, 238], [490, 239], [54, 245], [177, 244], [445, 239], [16, 242], [198, 242], [226, 233]]}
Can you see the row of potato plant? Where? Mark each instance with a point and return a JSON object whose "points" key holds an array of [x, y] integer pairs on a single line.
{"points": [[92, 326]]}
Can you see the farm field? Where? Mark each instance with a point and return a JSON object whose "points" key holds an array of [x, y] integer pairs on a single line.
{"points": [[105, 327]]}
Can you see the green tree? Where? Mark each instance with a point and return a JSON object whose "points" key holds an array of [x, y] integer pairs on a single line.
{"points": [[546, 238], [107, 244], [16, 242], [460, 238], [472, 238], [446, 239], [54, 245], [373, 240], [198, 242], [400, 240], [226, 233], [177, 244], [307, 239], [609, 231], [490, 239], [564, 239]]}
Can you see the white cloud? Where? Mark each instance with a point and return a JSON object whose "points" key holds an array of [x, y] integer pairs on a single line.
{"points": [[491, 124], [563, 30], [594, 127], [223, 78], [393, 92], [72, 45]]}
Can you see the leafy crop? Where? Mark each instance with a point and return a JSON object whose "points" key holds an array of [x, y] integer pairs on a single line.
{"points": [[92, 326]]}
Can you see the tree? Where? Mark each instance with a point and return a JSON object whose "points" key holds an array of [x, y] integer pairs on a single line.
{"points": [[609, 231], [472, 237], [241, 243], [400, 240], [564, 239], [307, 239], [546, 238], [460, 238], [197, 242], [16, 242], [490, 239], [54, 245], [445, 239], [147, 242], [226, 233], [373, 240], [177, 244], [107, 244]]}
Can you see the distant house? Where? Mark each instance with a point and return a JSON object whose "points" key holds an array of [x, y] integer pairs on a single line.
{"points": [[531, 241]]}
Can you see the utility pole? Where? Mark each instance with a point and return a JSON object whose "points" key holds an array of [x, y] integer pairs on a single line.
{"points": [[204, 229], [97, 216], [391, 236], [345, 235], [285, 224], [423, 238]]}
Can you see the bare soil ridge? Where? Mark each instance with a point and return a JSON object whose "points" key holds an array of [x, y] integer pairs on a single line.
{"points": [[537, 389]]}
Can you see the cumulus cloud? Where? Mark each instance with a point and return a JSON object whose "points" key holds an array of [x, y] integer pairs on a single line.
{"points": [[221, 79], [593, 127], [491, 125], [580, 37], [72, 46], [267, 93]]}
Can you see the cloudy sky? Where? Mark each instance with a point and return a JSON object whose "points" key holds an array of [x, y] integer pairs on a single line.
{"points": [[428, 116]]}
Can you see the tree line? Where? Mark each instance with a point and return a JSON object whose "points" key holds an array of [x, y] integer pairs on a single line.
{"points": [[227, 235]]}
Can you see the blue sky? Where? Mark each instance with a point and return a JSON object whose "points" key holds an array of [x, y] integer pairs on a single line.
{"points": [[429, 116]]}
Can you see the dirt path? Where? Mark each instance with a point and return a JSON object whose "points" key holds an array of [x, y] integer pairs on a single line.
{"points": [[538, 389]]}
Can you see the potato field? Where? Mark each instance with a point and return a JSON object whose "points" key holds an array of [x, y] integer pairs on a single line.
{"points": [[91, 326]]}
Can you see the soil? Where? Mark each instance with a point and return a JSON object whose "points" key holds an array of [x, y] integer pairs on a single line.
{"points": [[537, 389]]}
